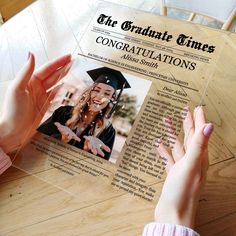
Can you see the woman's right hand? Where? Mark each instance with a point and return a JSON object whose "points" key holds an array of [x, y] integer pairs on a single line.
{"points": [[66, 133]]}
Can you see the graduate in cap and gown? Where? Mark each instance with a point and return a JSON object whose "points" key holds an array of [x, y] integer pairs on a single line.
{"points": [[87, 125]]}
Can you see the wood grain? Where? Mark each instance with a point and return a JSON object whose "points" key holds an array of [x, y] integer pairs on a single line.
{"points": [[223, 226], [42, 209], [10, 8]]}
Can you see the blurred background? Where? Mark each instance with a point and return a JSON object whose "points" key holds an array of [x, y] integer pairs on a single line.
{"points": [[10, 8]]}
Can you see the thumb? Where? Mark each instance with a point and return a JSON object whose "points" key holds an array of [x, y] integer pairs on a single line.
{"points": [[76, 138], [57, 124], [23, 77]]}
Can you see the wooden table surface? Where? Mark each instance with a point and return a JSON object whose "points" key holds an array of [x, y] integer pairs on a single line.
{"points": [[29, 206]]}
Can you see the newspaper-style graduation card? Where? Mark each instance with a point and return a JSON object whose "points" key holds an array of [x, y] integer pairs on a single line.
{"points": [[133, 78]]}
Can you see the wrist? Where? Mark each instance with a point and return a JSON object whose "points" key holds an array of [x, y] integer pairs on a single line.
{"points": [[169, 213], [6, 137], [5, 161], [176, 218]]}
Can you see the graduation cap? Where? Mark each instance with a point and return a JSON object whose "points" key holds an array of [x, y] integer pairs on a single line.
{"points": [[110, 77], [106, 75]]}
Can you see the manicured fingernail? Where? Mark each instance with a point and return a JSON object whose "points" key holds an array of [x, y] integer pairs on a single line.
{"points": [[29, 55], [68, 55], [68, 66], [157, 143], [184, 112], [208, 129]]}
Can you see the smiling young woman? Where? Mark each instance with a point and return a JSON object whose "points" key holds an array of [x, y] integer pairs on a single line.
{"points": [[87, 125]]}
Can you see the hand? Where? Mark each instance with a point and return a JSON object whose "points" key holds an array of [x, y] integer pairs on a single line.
{"points": [[66, 133], [95, 145], [186, 167], [28, 99]]}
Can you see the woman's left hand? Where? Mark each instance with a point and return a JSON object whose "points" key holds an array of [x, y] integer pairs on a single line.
{"points": [[28, 99], [66, 133], [95, 145], [187, 165]]}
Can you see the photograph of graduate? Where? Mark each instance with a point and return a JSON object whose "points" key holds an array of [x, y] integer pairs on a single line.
{"points": [[89, 119]]}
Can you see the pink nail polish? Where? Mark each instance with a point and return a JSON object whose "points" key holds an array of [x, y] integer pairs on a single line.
{"points": [[157, 143], [208, 129], [184, 112], [29, 55]]}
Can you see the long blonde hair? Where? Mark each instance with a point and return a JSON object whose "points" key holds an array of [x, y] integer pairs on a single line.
{"points": [[100, 122]]}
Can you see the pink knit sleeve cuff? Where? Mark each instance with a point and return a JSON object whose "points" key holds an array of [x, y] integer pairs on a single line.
{"points": [[5, 161], [162, 229]]}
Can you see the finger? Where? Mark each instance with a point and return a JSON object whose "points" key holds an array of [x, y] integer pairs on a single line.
{"points": [[61, 130], [49, 97], [49, 68], [205, 165], [89, 144], [69, 136], [56, 76], [165, 155], [169, 130], [23, 77], [199, 142], [87, 140], [199, 118], [188, 126], [58, 125], [105, 147], [65, 138], [94, 151], [100, 152], [177, 150], [85, 147], [76, 138]]}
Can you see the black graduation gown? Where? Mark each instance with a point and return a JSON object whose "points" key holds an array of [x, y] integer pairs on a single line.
{"points": [[61, 115]]}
